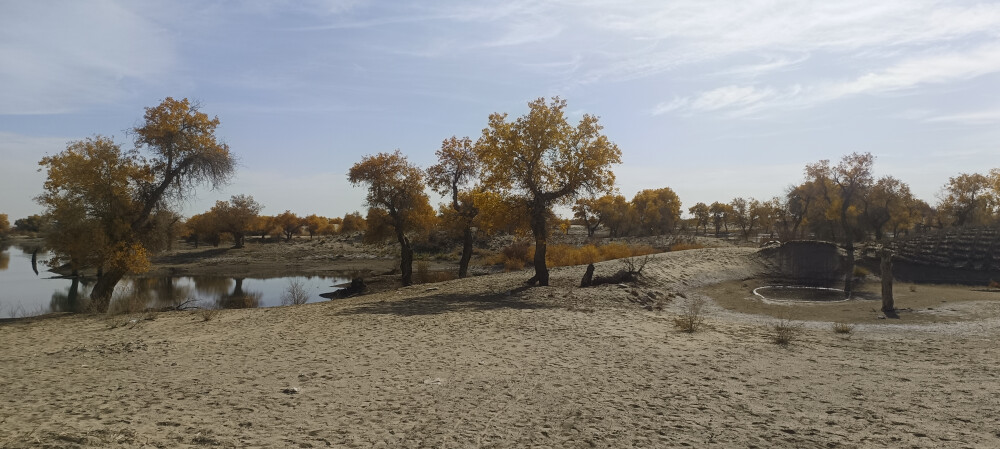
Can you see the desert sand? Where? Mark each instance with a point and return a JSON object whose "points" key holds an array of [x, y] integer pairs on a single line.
{"points": [[484, 362]]}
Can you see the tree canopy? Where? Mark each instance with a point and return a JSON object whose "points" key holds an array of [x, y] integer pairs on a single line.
{"points": [[542, 160], [453, 176], [396, 201], [114, 197]]}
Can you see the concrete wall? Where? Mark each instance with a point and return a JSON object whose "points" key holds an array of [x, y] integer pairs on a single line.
{"points": [[806, 262]]}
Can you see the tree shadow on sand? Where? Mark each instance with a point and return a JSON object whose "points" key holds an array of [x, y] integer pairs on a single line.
{"points": [[437, 304]]}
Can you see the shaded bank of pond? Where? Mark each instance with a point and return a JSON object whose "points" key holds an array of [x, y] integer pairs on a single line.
{"points": [[25, 293]]}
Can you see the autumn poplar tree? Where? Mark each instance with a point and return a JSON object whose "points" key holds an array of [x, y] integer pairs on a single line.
{"points": [[702, 215], [586, 211], [396, 201], [657, 211], [288, 224], [543, 161], [970, 199], [720, 214], [236, 216], [97, 182], [452, 177], [613, 211], [844, 188]]}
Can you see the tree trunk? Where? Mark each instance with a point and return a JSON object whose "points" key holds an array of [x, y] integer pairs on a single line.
{"points": [[849, 277], [463, 264], [100, 296], [888, 305], [539, 230], [588, 277], [541, 271]]}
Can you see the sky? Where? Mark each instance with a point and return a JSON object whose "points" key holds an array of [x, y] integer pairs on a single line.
{"points": [[714, 99]]}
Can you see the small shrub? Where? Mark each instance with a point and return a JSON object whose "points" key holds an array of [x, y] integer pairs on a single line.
{"points": [[783, 332], [208, 314], [913, 288], [691, 319], [840, 327], [295, 294], [861, 272], [994, 284], [116, 321], [515, 256]]}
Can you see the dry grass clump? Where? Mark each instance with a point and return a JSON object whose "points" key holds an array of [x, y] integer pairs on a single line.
{"points": [[522, 253], [784, 331], [691, 319], [684, 246], [208, 313], [840, 327]]}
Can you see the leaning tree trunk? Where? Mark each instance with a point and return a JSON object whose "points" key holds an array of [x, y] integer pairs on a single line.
{"points": [[888, 305], [463, 264], [100, 296]]}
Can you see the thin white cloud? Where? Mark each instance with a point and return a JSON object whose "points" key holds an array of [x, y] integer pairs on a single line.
{"points": [[770, 65], [987, 117], [932, 69], [906, 75], [80, 54]]}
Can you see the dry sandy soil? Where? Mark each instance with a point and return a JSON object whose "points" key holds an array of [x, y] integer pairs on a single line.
{"points": [[482, 362]]}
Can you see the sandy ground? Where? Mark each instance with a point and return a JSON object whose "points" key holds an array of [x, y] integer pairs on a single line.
{"points": [[482, 362]]}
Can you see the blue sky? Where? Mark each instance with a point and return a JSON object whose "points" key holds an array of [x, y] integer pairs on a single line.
{"points": [[715, 99]]}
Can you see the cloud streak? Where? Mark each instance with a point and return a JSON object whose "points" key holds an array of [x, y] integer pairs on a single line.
{"points": [[907, 75], [81, 54]]}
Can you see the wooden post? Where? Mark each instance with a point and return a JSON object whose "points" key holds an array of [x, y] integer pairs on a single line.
{"points": [[888, 307]]}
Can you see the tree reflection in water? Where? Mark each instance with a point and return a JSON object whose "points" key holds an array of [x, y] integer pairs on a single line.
{"points": [[4, 257], [212, 286], [239, 299], [74, 299]]}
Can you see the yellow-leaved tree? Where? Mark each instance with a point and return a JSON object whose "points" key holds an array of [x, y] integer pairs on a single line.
{"points": [[115, 196], [543, 161], [970, 199], [453, 177], [702, 215], [397, 204], [236, 216], [288, 224], [657, 211], [844, 187]]}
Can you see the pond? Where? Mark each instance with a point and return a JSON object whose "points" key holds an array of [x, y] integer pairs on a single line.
{"points": [[23, 292]]}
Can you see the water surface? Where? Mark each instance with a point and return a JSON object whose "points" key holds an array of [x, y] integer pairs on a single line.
{"points": [[23, 292]]}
